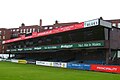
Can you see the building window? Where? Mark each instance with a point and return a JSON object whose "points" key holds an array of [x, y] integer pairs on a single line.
{"points": [[30, 30], [24, 31], [17, 29], [3, 47], [21, 31], [106, 33], [45, 28], [33, 29], [38, 30], [114, 24], [27, 31], [13, 30], [4, 32], [50, 27], [2, 51], [3, 37], [56, 27], [118, 25]]}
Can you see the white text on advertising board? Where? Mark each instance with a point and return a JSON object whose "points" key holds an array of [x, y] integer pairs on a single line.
{"points": [[91, 23]]}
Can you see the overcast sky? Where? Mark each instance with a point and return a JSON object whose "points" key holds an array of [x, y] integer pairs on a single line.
{"points": [[15, 12]]}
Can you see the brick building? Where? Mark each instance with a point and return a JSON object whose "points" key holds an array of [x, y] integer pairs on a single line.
{"points": [[115, 22], [5, 34], [24, 30], [28, 30]]}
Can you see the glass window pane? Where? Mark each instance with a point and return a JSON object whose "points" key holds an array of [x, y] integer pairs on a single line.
{"points": [[118, 25], [114, 24]]}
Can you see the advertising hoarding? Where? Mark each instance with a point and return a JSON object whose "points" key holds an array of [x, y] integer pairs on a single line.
{"points": [[59, 64], [31, 62], [14, 60], [56, 64], [22, 61], [0, 59], [64, 65], [62, 46], [106, 24], [44, 63], [78, 66], [91, 23], [105, 68]]}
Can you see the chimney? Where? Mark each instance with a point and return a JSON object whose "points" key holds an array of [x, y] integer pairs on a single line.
{"points": [[40, 28], [40, 22], [56, 22], [101, 18], [22, 24]]}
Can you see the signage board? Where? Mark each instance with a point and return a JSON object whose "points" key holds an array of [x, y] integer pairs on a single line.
{"points": [[22, 61], [106, 68], [105, 24], [31, 62], [44, 63], [14, 60], [64, 65], [57, 64], [78, 66], [62, 46], [91, 23]]}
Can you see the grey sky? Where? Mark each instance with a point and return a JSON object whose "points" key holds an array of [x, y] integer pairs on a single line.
{"points": [[14, 12]]}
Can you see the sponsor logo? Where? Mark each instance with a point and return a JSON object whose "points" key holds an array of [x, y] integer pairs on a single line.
{"points": [[22, 61], [66, 46], [56, 64], [91, 23], [107, 68]]}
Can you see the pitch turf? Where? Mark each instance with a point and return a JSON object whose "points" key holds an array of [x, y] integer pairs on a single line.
{"points": [[14, 71]]}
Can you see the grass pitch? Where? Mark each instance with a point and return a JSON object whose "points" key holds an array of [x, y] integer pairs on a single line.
{"points": [[14, 71]]}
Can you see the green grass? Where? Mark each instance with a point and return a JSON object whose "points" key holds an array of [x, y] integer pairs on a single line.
{"points": [[14, 71]]}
